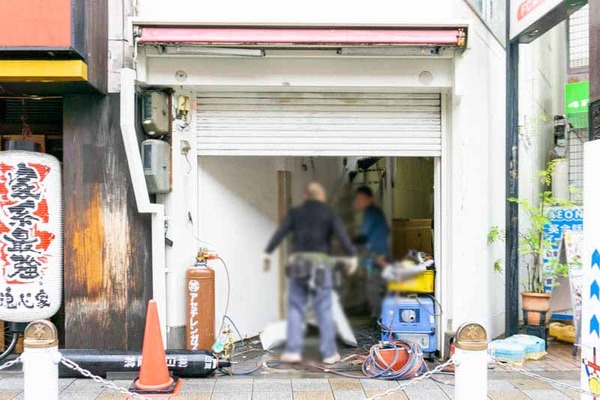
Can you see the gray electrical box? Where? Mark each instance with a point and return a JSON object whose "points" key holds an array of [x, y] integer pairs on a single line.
{"points": [[155, 113], [156, 159]]}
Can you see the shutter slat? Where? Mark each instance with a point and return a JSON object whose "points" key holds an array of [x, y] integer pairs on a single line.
{"points": [[314, 123]]}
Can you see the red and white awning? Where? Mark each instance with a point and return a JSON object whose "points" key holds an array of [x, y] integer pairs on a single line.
{"points": [[311, 37]]}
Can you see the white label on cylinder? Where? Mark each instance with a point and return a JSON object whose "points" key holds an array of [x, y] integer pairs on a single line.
{"points": [[30, 236]]}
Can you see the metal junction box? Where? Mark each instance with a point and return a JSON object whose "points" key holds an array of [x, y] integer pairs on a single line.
{"points": [[155, 113], [156, 159]]}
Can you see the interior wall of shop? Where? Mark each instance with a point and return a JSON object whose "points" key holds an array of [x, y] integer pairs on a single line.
{"points": [[413, 188], [107, 265], [542, 78], [473, 165]]}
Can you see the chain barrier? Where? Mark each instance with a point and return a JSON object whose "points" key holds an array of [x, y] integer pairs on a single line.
{"points": [[511, 368], [10, 363], [415, 380], [75, 367]]}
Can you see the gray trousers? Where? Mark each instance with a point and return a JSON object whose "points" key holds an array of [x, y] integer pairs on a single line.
{"points": [[298, 295]]}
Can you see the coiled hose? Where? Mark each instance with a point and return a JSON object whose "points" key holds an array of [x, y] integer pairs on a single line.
{"points": [[379, 367]]}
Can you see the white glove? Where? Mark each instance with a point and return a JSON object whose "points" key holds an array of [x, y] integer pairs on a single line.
{"points": [[351, 265], [267, 259]]}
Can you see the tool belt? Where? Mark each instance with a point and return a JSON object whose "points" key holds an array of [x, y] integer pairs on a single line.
{"points": [[308, 267]]}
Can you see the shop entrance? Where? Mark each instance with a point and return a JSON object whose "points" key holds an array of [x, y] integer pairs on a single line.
{"points": [[243, 199], [258, 149]]}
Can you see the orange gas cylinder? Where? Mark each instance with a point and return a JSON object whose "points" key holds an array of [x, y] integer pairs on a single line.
{"points": [[200, 307]]}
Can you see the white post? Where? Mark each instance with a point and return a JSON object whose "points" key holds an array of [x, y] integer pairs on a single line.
{"points": [[471, 359], [40, 361]]}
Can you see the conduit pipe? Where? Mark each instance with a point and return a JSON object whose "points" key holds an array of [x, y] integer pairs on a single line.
{"points": [[142, 198]]}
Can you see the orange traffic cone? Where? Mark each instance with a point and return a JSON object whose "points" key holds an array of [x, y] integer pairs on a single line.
{"points": [[154, 378]]}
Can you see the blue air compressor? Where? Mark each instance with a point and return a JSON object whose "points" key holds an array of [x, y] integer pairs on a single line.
{"points": [[410, 318]]}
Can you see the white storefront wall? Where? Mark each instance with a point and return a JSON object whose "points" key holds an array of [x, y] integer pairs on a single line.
{"points": [[472, 163]]}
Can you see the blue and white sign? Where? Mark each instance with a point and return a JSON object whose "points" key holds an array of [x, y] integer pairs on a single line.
{"points": [[562, 219], [590, 296]]}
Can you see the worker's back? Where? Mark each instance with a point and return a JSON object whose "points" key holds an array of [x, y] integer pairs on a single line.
{"points": [[312, 225]]}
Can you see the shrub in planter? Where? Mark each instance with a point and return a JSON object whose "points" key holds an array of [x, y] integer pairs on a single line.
{"points": [[533, 246]]}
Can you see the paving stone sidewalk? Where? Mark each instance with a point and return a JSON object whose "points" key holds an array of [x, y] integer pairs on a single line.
{"points": [[501, 387]]}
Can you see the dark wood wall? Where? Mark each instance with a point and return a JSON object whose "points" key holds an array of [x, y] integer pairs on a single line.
{"points": [[107, 242], [96, 42], [594, 69]]}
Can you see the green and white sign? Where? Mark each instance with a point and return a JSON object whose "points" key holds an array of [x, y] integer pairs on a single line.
{"points": [[577, 97]]}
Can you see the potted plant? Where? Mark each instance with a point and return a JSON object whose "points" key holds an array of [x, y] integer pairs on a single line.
{"points": [[533, 248]]}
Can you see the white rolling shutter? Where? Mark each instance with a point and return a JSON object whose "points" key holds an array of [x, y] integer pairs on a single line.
{"points": [[319, 123]]}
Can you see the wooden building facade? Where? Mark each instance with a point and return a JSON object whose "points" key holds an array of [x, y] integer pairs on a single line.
{"points": [[53, 89]]}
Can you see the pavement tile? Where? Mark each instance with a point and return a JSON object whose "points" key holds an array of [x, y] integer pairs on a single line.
{"points": [[349, 394], [500, 384], [447, 389], [273, 385], [374, 384], [193, 396], [11, 383], [426, 384], [345, 384], [110, 395], [530, 384], [426, 395], [546, 395], [233, 385], [9, 394], [232, 396], [272, 395], [570, 393], [197, 385], [507, 395], [313, 395], [310, 385], [399, 395], [64, 383], [84, 385], [79, 396]]}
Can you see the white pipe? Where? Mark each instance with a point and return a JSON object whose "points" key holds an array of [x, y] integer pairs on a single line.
{"points": [[142, 199]]}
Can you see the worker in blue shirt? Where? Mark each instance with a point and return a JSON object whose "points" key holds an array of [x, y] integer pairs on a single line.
{"points": [[374, 234]]}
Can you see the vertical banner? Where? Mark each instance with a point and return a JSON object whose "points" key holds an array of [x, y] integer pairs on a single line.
{"points": [[590, 307], [30, 236]]}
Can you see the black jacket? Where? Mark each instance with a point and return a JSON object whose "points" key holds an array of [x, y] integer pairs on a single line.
{"points": [[313, 225]]}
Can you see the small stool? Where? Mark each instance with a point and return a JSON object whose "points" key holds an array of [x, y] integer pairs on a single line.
{"points": [[536, 330]]}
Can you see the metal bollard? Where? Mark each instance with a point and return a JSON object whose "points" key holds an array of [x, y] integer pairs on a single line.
{"points": [[40, 361], [471, 374]]}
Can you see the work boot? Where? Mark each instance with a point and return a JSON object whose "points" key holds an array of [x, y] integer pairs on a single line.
{"points": [[334, 359], [291, 358]]}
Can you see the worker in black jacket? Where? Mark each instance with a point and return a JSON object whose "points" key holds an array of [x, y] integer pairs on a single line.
{"points": [[313, 226]]}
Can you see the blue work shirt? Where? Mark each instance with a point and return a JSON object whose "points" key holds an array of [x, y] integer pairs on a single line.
{"points": [[375, 230]]}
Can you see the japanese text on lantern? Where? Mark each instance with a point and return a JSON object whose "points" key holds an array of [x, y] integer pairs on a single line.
{"points": [[24, 242]]}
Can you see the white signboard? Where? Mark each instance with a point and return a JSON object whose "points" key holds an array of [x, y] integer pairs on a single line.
{"points": [[590, 298], [524, 13]]}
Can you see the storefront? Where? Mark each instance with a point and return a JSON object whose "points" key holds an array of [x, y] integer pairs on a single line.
{"points": [[280, 105]]}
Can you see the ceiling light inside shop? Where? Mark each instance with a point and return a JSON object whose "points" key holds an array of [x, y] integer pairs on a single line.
{"points": [[211, 51], [409, 51]]}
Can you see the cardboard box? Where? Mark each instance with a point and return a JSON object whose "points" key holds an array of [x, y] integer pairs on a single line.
{"points": [[411, 234]]}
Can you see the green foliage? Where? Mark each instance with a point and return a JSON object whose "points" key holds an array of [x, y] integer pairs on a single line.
{"points": [[532, 244]]}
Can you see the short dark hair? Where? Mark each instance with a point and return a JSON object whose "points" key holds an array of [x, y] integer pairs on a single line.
{"points": [[365, 190]]}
